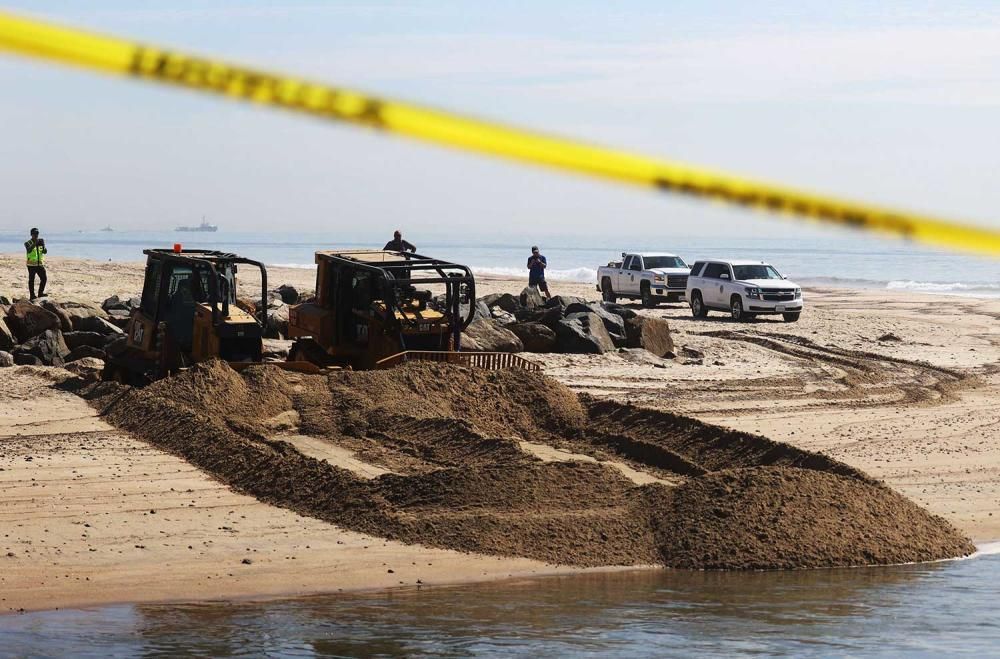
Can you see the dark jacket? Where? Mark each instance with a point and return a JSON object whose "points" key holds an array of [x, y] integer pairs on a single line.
{"points": [[399, 246]]}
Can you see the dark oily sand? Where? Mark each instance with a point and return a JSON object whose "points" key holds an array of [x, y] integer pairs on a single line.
{"points": [[450, 435]]}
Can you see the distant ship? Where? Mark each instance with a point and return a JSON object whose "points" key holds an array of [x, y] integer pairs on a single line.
{"points": [[204, 226], [107, 228]]}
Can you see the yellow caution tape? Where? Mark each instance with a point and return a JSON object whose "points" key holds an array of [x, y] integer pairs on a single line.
{"points": [[41, 40]]}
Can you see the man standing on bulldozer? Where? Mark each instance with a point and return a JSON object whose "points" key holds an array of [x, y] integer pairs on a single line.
{"points": [[397, 244]]}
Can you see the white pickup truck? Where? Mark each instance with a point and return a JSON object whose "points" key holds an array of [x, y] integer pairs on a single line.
{"points": [[742, 289], [652, 278]]}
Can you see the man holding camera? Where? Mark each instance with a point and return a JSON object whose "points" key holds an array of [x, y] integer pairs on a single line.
{"points": [[536, 272], [36, 263]]}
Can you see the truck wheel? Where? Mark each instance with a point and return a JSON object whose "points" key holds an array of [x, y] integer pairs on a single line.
{"points": [[648, 300], [791, 317], [736, 310], [698, 309], [607, 294]]}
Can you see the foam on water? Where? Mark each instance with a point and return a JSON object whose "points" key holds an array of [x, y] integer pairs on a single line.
{"points": [[973, 289], [585, 275]]}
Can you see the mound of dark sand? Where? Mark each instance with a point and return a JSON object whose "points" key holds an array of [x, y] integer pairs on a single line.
{"points": [[461, 481], [780, 517]]}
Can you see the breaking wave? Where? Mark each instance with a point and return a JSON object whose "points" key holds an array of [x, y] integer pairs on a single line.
{"points": [[586, 275], [976, 289]]}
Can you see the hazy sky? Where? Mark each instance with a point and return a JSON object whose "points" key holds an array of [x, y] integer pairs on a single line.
{"points": [[890, 102]]}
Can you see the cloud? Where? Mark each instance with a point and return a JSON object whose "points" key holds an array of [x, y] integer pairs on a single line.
{"points": [[916, 65]]}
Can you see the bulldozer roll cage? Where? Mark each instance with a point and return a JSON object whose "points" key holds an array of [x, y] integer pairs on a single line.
{"points": [[402, 271], [208, 259]]}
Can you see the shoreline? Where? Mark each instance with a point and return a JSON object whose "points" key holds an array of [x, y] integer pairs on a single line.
{"points": [[293, 273], [929, 432]]}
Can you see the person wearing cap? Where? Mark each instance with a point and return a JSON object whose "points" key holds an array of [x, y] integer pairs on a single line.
{"points": [[536, 272], [36, 263], [397, 244]]}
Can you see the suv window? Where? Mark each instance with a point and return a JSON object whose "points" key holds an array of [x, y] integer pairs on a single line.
{"points": [[696, 268], [628, 262], [714, 270], [636, 263]]}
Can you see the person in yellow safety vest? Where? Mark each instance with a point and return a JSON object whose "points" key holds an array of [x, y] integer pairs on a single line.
{"points": [[36, 263]]}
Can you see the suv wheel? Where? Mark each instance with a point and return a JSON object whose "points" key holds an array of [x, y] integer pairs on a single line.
{"points": [[698, 309], [791, 317], [736, 310], [648, 300], [607, 293]]}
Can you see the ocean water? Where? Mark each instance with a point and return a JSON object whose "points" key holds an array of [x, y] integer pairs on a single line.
{"points": [[847, 260], [928, 610]]}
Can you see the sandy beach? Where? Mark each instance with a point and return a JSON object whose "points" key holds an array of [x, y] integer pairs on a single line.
{"points": [[899, 385]]}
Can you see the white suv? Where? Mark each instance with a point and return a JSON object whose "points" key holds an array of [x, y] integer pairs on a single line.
{"points": [[743, 289]]}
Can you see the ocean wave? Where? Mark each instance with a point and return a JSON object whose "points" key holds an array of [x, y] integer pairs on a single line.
{"points": [[573, 274], [300, 266], [974, 289], [586, 275]]}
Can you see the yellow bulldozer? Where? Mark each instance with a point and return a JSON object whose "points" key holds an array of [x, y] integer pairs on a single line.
{"points": [[378, 308], [188, 314]]}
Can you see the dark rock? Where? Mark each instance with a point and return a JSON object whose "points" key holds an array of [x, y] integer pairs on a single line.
{"points": [[490, 300], [4, 300], [25, 359], [482, 311], [95, 324], [535, 337], [583, 332], [619, 310], [114, 302], [653, 334], [85, 351], [27, 320], [614, 323], [469, 344], [119, 318], [116, 345], [7, 339], [49, 347], [889, 337], [88, 368], [76, 339], [490, 336], [76, 310], [563, 301], [276, 349], [508, 303], [134, 302], [6, 359], [691, 352], [530, 298], [277, 322], [549, 317], [504, 317], [65, 323], [289, 294]]}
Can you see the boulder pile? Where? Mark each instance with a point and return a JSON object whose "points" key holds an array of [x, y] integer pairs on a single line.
{"points": [[567, 324], [57, 333]]}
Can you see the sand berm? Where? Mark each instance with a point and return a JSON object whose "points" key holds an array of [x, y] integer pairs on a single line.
{"points": [[449, 446]]}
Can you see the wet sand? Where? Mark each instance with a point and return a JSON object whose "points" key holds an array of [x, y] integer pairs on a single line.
{"points": [[92, 515], [916, 409]]}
